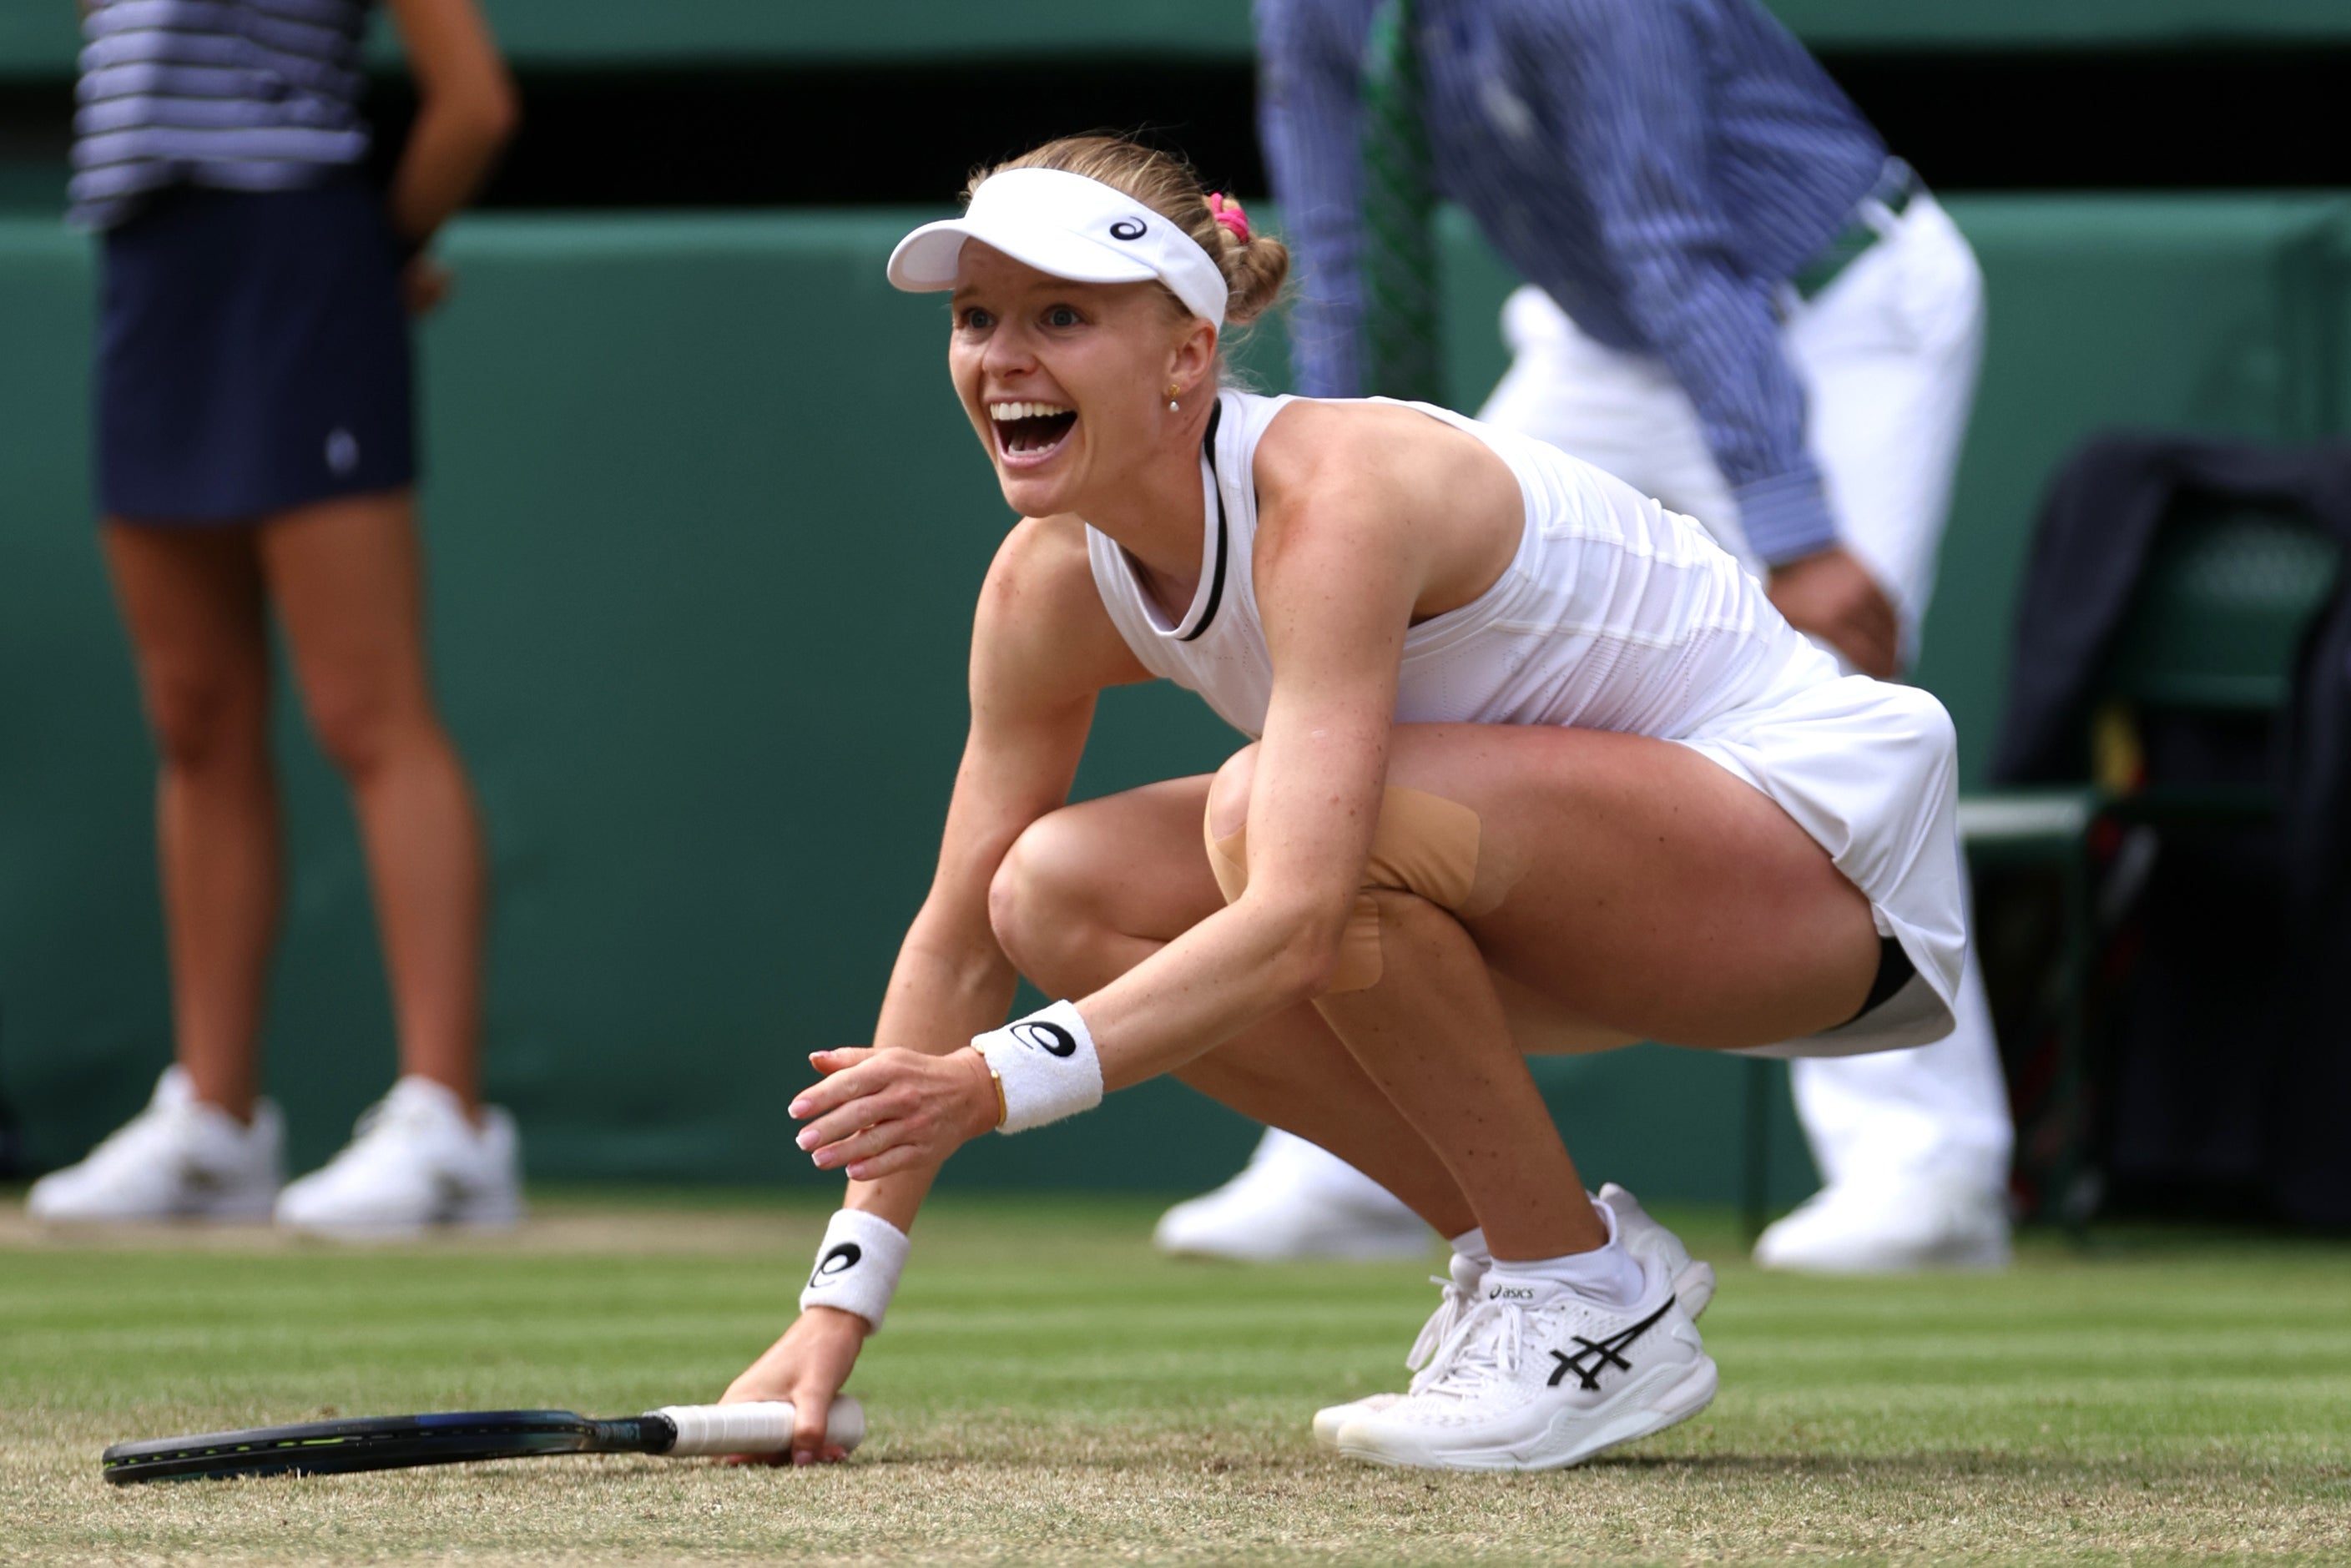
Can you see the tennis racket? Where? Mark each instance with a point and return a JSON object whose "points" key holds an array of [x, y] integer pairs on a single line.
{"points": [[399, 1442]]}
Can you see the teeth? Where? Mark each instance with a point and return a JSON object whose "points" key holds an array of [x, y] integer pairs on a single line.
{"points": [[1002, 411]]}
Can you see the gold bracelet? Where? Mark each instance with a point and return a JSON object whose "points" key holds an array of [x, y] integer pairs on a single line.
{"points": [[995, 1078]]}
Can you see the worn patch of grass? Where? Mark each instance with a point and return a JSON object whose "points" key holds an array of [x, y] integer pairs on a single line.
{"points": [[1050, 1391]]}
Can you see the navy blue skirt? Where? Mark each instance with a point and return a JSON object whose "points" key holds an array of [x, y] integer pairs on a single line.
{"points": [[253, 355]]}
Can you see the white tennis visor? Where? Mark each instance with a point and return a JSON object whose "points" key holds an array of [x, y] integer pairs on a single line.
{"points": [[1069, 226]]}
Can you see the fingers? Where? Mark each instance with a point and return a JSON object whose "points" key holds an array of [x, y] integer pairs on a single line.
{"points": [[829, 1062], [885, 1111], [876, 1105], [1876, 628], [864, 1145], [903, 1156], [840, 1084], [868, 1100], [1878, 635], [811, 1405]]}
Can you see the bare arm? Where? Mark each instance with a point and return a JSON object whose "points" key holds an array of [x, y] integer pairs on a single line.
{"points": [[1041, 648], [466, 110], [1341, 566]]}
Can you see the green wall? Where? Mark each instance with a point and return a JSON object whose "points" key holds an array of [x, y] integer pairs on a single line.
{"points": [[706, 526], [38, 38]]}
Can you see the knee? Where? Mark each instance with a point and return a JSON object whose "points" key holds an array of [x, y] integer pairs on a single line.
{"points": [[1038, 902], [360, 726], [1229, 793], [201, 719]]}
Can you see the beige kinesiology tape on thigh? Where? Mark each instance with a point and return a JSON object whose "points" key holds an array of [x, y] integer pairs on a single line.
{"points": [[1423, 844]]}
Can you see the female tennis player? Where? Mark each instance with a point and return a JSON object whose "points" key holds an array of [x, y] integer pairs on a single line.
{"points": [[255, 455], [1538, 768]]}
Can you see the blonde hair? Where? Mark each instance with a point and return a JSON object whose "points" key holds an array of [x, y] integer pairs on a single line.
{"points": [[1254, 267]]}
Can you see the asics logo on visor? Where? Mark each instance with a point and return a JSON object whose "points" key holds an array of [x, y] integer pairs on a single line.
{"points": [[1127, 228], [838, 1262], [1050, 1038]]}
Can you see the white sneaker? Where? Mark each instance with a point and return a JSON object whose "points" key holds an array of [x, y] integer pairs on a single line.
{"points": [[1545, 1383], [1291, 1201], [1890, 1227], [1653, 1246], [1649, 1243], [1460, 1295], [414, 1160], [178, 1159]]}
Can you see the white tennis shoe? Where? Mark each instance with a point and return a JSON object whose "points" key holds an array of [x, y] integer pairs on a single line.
{"points": [[177, 1159], [1890, 1227], [1544, 1380], [1292, 1201], [1459, 1287], [414, 1161], [1650, 1243]]}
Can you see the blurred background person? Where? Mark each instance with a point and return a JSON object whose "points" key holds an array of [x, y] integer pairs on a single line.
{"points": [[255, 453], [1739, 304]]}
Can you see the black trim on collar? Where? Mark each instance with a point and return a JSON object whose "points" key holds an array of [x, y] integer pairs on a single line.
{"points": [[1217, 577]]}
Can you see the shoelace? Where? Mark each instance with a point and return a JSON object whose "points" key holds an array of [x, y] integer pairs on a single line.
{"points": [[1441, 1322], [1455, 1304], [1483, 1351]]}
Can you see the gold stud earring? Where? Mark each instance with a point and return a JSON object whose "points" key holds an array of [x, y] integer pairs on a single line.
{"points": [[1173, 406]]}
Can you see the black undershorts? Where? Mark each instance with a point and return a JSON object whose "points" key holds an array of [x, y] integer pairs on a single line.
{"points": [[1894, 971]]}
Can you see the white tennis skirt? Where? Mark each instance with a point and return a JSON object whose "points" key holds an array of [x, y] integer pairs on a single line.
{"points": [[1871, 771]]}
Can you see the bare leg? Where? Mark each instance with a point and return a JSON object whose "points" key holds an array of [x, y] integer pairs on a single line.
{"points": [[1433, 1036], [348, 581], [1630, 886], [191, 600], [1071, 929], [1629, 881]]}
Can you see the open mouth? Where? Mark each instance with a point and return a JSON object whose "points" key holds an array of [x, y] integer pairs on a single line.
{"points": [[1031, 429]]}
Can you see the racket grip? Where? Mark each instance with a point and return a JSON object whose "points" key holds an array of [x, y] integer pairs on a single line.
{"points": [[755, 1426]]}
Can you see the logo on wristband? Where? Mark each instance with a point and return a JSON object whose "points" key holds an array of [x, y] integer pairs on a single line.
{"points": [[1050, 1038], [838, 1262]]}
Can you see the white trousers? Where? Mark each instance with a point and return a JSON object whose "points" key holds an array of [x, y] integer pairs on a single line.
{"points": [[1887, 356]]}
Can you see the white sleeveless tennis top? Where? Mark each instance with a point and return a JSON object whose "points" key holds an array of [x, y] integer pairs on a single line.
{"points": [[1617, 614]]}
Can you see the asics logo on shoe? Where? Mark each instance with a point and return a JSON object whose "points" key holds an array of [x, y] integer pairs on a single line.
{"points": [[1050, 1038], [1597, 1354], [1510, 1293], [835, 1263]]}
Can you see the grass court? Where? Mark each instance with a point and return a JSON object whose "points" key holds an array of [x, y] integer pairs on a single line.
{"points": [[1047, 1389]]}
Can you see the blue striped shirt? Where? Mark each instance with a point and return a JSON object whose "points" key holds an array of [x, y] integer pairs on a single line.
{"points": [[245, 95], [1658, 167]]}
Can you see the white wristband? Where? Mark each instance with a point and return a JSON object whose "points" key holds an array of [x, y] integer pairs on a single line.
{"points": [[857, 1266], [1045, 1067]]}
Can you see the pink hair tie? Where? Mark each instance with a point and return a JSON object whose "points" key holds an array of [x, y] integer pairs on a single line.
{"points": [[1227, 212]]}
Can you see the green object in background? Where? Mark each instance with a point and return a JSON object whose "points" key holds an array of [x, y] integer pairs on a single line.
{"points": [[2223, 609], [706, 525], [38, 38], [1399, 252]]}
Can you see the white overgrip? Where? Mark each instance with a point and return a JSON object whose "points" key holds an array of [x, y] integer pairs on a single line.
{"points": [[755, 1426]]}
